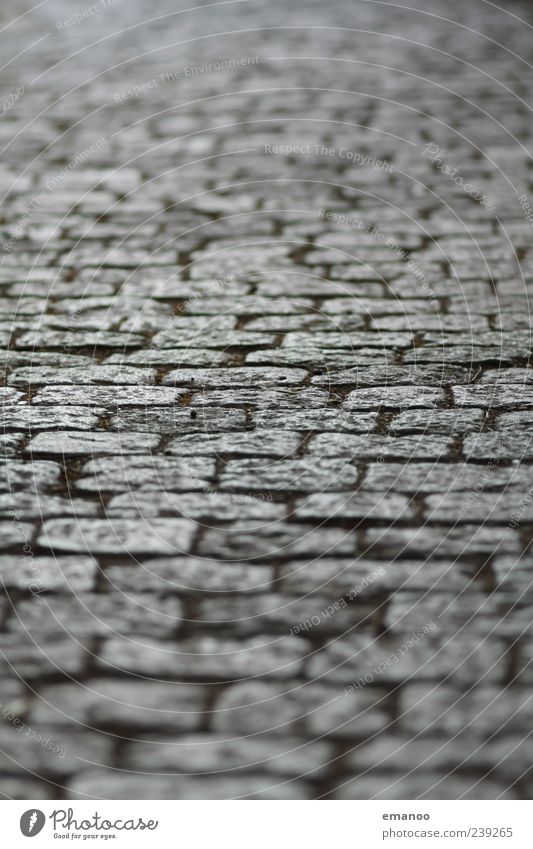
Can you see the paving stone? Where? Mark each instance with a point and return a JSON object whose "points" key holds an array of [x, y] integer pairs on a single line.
{"points": [[139, 705], [358, 660], [507, 375], [352, 341], [94, 444], [167, 357], [480, 710], [375, 445], [213, 753], [32, 505], [303, 475], [9, 396], [87, 616], [439, 421], [21, 417], [174, 420], [254, 708], [508, 446], [213, 339], [479, 506], [441, 478], [138, 396], [14, 787], [263, 399], [48, 574], [37, 475], [278, 614], [259, 431], [360, 505], [117, 536], [338, 577], [317, 358], [95, 785], [517, 419], [498, 395], [257, 443], [473, 354], [391, 375], [210, 507], [424, 784], [121, 474], [207, 658], [37, 375], [437, 753], [325, 419], [46, 751], [274, 540], [464, 541], [80, 339], [29, 661], [190, 575], [234, 377]]}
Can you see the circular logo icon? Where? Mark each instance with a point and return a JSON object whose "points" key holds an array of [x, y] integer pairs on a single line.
{"points": [[32, 822]]}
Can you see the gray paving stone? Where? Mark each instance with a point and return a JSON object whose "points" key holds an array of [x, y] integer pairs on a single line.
{"points": [[324, 419], [480, 710], [37, 375], [304, 475], [391, 375], [178, 420], [280, 539], [508, 446], [260, 428], [397, 397], [48, 574], [438, 421], [234, 377], [33, 505], [359, 505], [423, 784], [37, 475], [32, 417], [262, 399], [338, 577], [118, 396], [94, 784], [498, 395], [46, 751], [210, 507], [88, 615], [139, 705], [72, 443], [257, 443], [121, 474], [441, 478], [29, 661], [207, 658], [213, 753], [190, 575], [442, 542], [437, 753]]}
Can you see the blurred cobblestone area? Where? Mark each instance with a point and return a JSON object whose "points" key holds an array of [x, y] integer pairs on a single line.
{"points": [[267, 496]]}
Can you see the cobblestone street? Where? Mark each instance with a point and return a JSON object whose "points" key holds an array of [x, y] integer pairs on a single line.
{"points": [[267, 497]]}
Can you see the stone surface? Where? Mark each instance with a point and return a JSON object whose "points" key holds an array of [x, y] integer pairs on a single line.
{"points": [[266, 492]]}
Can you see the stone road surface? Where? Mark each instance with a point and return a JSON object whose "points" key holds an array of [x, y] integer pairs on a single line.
{"points": [[267, 495]]}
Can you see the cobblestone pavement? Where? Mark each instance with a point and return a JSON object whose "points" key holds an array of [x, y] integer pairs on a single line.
{"points": [[267, 496]]}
